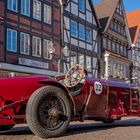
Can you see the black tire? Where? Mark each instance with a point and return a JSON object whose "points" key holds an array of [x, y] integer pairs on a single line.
{"points": [[108, 121], [5, 127], [40, 109]]}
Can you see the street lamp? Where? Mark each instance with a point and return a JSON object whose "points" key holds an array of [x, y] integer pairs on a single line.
{"points": [[63, 56], [51, 49]]}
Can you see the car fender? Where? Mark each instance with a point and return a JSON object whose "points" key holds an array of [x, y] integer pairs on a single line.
{"points": [[53, 82]]}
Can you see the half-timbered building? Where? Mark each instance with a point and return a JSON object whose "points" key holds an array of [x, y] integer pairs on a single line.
{"points": [[134, 28], [115, 41], [27, 27], [81, 34]]}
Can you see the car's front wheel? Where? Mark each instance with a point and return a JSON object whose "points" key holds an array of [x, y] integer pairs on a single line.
{"points": [[108, 121], [48, 112]]}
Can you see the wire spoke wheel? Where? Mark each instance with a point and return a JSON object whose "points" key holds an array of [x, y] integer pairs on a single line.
{"points": [[52, 113], [48, 112]]}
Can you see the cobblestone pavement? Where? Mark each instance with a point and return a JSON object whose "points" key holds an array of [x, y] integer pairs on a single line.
{"points": [[126, 129]]}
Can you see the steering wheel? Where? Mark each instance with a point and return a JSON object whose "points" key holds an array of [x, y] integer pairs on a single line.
{"points": [[74, 76]]}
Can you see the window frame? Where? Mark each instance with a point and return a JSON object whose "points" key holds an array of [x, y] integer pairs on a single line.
{"points": [[29, 39], [89, 41], [81, 27], [48, 55], [11, 40], [81, 8], [24, 12], [35, 14], [89, 69], [35, 55], [83, 59], [73, 58], [46, 13], [11, 7], [76, 28]]}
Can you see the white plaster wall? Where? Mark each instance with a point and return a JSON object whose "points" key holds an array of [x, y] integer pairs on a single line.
{"points": [[94, 62], [81, 15], [88, 5], [94, 35], [68, 8], [89, 47], [74, 41], [74, 8], [89, 16], [81, 44], [67, 22], [66, 36]]}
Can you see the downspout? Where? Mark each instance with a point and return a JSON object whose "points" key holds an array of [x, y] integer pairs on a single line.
{"points": [[62, 36]]}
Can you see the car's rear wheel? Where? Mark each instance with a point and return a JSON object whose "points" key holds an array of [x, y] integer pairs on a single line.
{"points": [[48, 112], [5, 127]]}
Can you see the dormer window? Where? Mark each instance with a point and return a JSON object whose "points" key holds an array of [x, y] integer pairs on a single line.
{"points": [[82, 5]]}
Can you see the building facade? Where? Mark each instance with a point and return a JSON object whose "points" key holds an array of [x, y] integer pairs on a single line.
{"points": [[81, 34], [134, 28], [27, 28], [115, 41]]}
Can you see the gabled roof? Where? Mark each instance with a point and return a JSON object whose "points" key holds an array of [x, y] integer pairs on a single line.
{"points": [[105, 11], [94, 12], [134, 32], [133, 18], [134, 24]]}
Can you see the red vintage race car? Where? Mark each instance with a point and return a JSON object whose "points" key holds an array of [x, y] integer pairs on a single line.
{"points": [[48, 105]]}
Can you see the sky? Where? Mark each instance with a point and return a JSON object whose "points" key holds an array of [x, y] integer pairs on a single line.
{"points": [[130, 5]]}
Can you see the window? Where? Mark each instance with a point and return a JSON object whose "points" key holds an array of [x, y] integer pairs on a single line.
{"points": [[46, 54], [121, 49], [25, 7], [118, 48], [113, 46], [115, 26], [109, 68], [115, 70], [11, 40], [105, 42], [88, 63], [88, 35], [121, 71], [82, 5], [109, 44], [81, 59], [47, 14], [81, 32], [36, 46], [112, 25], [37, 9], [73, 28], [24, 43], [125, 51], [119, 28], [12, 5], [73, 58]]}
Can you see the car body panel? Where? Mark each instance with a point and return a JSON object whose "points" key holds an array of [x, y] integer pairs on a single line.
{"points": [[107, 99]]}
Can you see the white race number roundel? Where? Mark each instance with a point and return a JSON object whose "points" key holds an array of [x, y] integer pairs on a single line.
{"points": [[98, 88]]}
